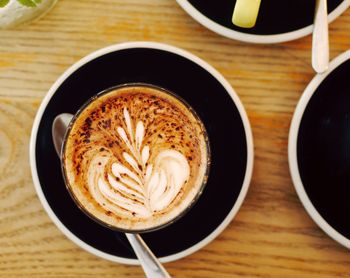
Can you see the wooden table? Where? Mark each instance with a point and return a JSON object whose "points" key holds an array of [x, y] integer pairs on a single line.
{"points": [[272, 235]]}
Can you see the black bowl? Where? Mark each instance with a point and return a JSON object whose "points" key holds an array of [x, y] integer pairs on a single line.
{"points": [[205, 90], [278, 20], [319, 150]]}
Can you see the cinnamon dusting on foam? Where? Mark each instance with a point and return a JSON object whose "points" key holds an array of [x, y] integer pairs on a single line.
{"points": [[135, 157]]}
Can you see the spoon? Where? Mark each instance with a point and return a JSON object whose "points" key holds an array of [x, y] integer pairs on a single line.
{"points": [[320, 40], [150, 264]]}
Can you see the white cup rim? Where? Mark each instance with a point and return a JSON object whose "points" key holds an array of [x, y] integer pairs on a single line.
{"points": [[251, 38], [292, 151], [202, 64]]}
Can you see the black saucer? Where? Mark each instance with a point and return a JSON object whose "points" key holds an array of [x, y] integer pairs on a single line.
{"points": [[230, 169], [276, 17], [323, 153]]}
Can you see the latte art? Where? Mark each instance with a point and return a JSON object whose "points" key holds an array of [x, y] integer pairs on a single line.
{"points": [[135, 158], [138, 186]]}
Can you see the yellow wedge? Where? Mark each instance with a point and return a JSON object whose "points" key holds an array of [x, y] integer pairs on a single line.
{"points": [[246, 13]]}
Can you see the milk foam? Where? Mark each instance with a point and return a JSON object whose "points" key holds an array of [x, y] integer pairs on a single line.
{"points": [[141, 187], [135, 158]]}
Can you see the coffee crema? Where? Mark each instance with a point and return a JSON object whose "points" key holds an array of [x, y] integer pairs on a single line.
{"points": [[135, 158]]}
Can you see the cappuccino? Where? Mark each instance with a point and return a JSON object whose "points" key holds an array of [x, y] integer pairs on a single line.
{"points": [[135, 158]]}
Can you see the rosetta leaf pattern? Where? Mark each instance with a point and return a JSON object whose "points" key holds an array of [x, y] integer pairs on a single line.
{"points": [[141, 186], [135, 157]]}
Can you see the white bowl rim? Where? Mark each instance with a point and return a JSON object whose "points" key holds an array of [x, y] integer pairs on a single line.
{"points": [[292, 151], [202, 64], [252, 38]]}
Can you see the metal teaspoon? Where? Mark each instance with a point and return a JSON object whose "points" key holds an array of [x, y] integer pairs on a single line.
{"points": [[320, 40], [150, 264]]}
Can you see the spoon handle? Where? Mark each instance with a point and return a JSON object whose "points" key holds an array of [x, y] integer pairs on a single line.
{"points": [[320, 41], [58, 130], [150, 264]]}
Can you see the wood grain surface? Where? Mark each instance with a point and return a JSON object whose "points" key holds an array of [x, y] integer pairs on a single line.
{"points": [[272, 235]]}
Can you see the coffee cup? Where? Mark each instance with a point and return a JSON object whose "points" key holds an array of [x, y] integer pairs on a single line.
{"points": [[135, 157]]}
